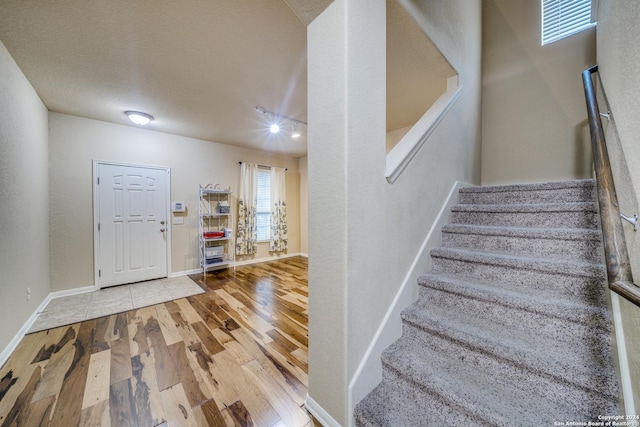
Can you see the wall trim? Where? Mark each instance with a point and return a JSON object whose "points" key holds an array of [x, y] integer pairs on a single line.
{"points": [[13, 344], [623, 362], [319, 413], [405, 150], [270, 258], [240, 263], [369, 372]]}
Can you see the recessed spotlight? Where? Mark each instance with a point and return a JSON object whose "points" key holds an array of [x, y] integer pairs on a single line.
{"points": [[274, 128], [139, 118]]}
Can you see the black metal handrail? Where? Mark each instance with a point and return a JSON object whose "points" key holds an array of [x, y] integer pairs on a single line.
{"points": [[615, 248]]}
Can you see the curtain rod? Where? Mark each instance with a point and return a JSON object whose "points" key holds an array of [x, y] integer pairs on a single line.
{"points": [[265, 166]]}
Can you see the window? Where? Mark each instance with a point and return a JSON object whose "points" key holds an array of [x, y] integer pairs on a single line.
{"points": [[263, 208], [562, 18]]}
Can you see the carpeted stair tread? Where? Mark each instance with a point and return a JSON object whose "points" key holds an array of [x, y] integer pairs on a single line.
{"points": [[571, 365], [499, 400], [527, 207], [552, 215], [579, 313], [577, 281], [387, 404], [511, 326], [552, 186], [568, 191], [546, 265], [525, 232], [577, 244], [578, 337]]}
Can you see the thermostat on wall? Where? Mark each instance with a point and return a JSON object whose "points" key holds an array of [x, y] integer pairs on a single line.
{"points": [[179, 207]]}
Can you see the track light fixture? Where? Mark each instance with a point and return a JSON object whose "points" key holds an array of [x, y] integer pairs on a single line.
{"points": [[295, 133], [276, 121]]}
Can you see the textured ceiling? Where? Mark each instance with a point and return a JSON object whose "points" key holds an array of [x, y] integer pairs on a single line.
{"points": [[198, 67]]}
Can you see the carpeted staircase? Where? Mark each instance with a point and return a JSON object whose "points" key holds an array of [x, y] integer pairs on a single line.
{"points": [[511, 326]]}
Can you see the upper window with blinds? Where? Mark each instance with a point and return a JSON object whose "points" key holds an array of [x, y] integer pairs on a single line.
{"points": [[562, 18], [263, 206]]}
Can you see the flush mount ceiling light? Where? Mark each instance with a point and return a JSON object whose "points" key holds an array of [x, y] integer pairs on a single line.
{"points": [[139, 118], [277, 121]]}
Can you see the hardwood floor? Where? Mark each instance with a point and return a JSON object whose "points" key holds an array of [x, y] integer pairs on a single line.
{"points": [[233, 356]]}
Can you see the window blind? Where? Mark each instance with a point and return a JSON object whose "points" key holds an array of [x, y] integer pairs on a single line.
{"points": [[263, 207], [562, 18]]}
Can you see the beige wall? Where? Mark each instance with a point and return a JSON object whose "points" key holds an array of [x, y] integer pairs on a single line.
{"points": [[618, 40], [24, 199], [363, 232], [75, 142], [534, 125]]}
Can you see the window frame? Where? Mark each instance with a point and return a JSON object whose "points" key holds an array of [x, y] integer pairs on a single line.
{"points": [[260, 212], [574, 16]]}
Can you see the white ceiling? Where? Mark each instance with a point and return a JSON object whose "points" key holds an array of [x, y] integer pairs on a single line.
{"points": [[199, 67]]}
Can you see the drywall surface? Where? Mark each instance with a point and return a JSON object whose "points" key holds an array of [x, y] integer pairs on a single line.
{"points": [[357, 266], [24, 199], [75, 142], [328, 227], [534, 126], [618, 40]]}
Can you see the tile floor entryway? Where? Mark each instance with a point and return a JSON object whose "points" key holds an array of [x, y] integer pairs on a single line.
{"points": [[90, 305]]}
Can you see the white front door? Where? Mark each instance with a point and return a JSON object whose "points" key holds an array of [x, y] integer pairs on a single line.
{"points": [[131, 224]]}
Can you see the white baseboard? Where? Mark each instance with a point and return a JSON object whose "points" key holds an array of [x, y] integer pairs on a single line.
{"points": [[13, 344], [239, 263], [69, 292], [369, 372], [184, 273], [319, 413], [258, 260], [625, 375]]}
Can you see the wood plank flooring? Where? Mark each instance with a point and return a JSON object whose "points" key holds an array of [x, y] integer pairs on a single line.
{"points": [[233, 356]]}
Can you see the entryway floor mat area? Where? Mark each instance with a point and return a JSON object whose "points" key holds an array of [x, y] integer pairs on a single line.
{"points": [[76, 308]]}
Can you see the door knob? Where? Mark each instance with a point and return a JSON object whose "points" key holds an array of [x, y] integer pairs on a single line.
{"points": [[162, 230], [162, 222]]}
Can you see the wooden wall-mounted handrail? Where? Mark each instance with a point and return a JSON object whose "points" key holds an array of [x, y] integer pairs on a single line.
{"points": [[615, 248]]}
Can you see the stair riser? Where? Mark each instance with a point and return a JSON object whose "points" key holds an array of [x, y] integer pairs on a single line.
{"points": [[433, 409], [587, 290], [592, 317], [572, 219], [403, 398], [539, 388], [578, 337], [568, 195], [578, 250]]}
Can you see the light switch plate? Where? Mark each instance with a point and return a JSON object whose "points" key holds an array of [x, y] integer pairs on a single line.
{"points": [[177, 220]]}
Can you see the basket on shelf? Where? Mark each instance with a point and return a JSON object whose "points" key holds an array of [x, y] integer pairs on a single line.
{"points": [[224, 207], [213, 234]]}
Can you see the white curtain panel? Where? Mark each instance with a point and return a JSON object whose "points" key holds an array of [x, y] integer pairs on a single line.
{"points": [[246, 238], [278, 241]]}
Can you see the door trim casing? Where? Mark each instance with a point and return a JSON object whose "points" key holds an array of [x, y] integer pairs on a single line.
{"points": [[96, 163]]}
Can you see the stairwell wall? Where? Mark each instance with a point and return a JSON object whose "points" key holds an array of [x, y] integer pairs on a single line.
{"points": [[24, 201], [618, 46], [364, 233], [534, 122]]}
